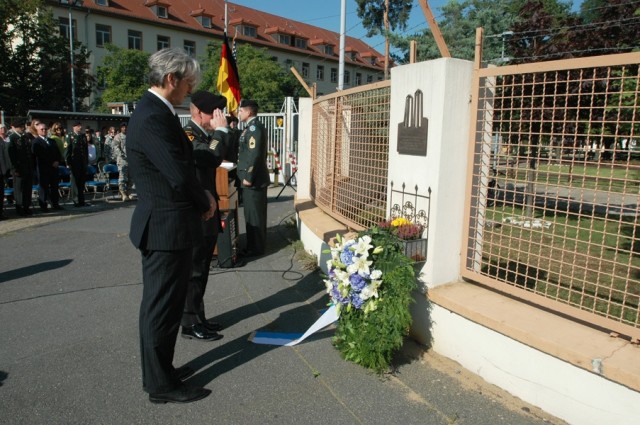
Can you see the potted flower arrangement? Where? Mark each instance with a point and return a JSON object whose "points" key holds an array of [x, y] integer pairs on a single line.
{"points": [[415, 247], [370, 282]]}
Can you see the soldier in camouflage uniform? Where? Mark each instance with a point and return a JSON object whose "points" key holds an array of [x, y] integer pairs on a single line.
{"points": [[120, 153], [19, 149]]}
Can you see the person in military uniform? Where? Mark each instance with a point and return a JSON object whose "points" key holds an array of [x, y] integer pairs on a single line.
{"points": [[254, 177], [208, 153], [19, 150], [119, 145], [77, 159]]}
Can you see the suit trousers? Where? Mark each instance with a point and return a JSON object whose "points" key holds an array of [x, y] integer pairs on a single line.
{"points": [[255, 216], [78, 178], [194, 302], [22, 191], [165, 275]]}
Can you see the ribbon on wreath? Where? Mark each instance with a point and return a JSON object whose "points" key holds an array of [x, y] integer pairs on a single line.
{"points": [[329, 317]]}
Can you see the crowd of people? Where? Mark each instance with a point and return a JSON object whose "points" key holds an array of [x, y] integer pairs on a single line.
{"points": [[34, 156]]}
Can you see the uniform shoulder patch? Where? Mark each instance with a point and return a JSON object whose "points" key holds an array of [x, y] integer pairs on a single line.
{"points": [[189, 134], [214, 144], [252, 143], [252, 128]]}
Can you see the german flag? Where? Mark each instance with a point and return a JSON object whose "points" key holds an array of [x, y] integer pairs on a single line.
{"points": [[228, 83]]}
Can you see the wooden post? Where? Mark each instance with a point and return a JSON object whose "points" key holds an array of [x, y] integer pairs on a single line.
{"points": [[435, 29], [301, 81], [413, 51]]}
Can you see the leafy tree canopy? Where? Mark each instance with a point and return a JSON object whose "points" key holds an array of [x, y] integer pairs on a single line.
{"points": [[372, 14], [35, 65], [123, 74]]}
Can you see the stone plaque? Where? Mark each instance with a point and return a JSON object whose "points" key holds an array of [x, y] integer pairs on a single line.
{"points": [[413, 130]]}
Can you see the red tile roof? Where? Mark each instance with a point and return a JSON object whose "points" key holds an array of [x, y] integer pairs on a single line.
{"points": [[181, 13]]}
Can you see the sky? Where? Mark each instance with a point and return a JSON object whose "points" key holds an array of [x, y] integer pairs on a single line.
{"points": [[326, 14]]}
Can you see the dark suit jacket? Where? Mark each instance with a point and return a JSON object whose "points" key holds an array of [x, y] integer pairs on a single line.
{"points": [[171, 200]]}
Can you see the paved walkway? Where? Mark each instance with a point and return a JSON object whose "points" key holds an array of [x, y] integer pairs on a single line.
{"points": [[70, 287]]}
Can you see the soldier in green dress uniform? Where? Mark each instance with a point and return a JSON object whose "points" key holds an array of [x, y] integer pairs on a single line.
{"points": [[254, 177]]}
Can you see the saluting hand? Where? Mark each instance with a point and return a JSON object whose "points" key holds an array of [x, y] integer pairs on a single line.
{"points": [[218, 120]]}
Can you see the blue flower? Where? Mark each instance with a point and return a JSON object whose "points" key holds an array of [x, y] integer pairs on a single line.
{"points": [[346, 256], [357, 282], [356, 301]]}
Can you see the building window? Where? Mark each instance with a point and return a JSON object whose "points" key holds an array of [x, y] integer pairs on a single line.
{"points": [[301, 43], [162, 12], [135, 40], [334, 75], [190, 48], [284, 39], [369, 78], [248, 31], [305, 70], [103, 35], [347, 77], [163, 42], [358, 78], [320, 73], [63, 25], [102, 2], [288, 63], [328, 50]]}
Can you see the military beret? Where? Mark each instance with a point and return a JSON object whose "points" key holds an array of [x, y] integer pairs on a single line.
{"points": [[246, 103], [208, 102], [123, 124], [77, 124], [18, 122]]}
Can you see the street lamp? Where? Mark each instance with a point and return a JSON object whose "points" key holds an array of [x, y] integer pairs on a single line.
{"points": [[71, 4]]}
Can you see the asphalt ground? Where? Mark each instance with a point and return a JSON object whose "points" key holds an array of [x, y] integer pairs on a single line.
{"points": [[70, 288]]}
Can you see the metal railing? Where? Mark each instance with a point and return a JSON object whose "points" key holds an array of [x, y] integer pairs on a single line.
{"points": [[554, 182], [350, 154]]}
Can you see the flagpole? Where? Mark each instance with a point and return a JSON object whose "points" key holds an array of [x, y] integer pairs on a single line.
{"points": [[225, 16]]}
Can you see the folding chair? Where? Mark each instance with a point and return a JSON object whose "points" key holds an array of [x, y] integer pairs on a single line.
{"points": [[95, 181], [64, 185], [111, 175]]}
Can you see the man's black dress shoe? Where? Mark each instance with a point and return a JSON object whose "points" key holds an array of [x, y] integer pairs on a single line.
{"points": [[211, 325], [198, 331], [182, 394], [184, 372]]}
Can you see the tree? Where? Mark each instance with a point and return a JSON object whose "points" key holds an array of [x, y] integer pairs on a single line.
{"points": [[458, 26], [261, 78], [371, 12], [382, 17], [123, 75], [35, 70]]}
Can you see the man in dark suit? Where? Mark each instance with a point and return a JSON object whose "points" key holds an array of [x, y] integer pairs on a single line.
{"points": [[19, 150], [166, 223], [47, 158], [254, 177], [208, 151]]}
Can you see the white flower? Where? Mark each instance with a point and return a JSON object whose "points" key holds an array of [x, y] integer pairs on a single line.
{"points": [[363, 246], [376, 274], [360, 265], [368, 292]]}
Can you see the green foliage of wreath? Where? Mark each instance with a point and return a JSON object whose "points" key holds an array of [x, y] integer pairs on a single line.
{"points": [[370, 339]]}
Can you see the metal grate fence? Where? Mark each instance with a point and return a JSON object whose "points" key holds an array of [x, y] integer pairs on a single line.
{"points": [[350, 152], [555, 187]]}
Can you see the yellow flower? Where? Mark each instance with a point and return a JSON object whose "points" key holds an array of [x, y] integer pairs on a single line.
{"points": [[400, 221]]}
